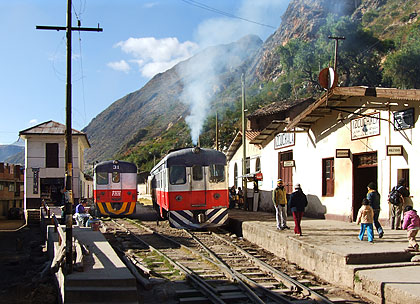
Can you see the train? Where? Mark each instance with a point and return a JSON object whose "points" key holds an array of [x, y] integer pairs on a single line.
{"points": [[115, 188], [189, 187]]}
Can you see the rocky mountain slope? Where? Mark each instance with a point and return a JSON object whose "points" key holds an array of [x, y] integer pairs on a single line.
{"points": [[182, 95], [168, 97]]}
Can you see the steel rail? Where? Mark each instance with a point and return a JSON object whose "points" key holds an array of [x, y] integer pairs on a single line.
{"points": [[242, 278], [199, 283], [232, 274], [287, 280]]}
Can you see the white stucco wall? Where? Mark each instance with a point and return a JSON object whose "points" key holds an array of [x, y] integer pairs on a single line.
{"points": [[327, 135]]}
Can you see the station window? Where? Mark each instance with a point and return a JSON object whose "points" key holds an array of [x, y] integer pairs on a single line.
{"points": [[197, 172], [51, 155], [328, 177], [217, 173], [11, 187], [177, 175], [102, 178]]}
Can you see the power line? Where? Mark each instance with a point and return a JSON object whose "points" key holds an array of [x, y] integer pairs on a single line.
{"points": [[215, 10]]}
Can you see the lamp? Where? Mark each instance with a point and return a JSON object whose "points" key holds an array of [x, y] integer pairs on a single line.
{"points": [[340, 117]]}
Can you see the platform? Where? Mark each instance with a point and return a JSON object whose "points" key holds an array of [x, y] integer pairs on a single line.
{"points": [[382, 271], [104, 278]]}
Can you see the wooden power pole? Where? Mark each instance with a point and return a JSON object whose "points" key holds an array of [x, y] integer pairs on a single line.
{"points": [[68, 133]]}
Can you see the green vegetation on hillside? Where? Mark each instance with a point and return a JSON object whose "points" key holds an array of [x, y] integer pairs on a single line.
{"points": [[381, 50]]}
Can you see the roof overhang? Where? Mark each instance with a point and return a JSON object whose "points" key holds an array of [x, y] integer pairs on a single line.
{"points": [[333, 99]]}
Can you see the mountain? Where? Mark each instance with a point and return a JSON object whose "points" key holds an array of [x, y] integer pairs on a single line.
{"points": [[168, 97], [7, 153], [381, 48]]}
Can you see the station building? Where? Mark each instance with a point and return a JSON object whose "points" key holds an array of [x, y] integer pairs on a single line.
{"points": [[334, 147], [45, 163]]}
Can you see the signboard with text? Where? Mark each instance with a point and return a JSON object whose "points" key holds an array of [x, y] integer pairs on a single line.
{"points": [[35, 172], [365, 126], [394, 150], [283, 140]]}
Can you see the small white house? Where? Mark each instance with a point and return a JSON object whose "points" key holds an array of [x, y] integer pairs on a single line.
{"points": [[45, 163]]}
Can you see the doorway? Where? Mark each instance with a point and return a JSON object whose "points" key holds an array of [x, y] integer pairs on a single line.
{"points": [[286, 171], [365, 170]]}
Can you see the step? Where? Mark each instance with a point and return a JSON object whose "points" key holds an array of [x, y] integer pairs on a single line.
{"points": [[99, 282], [78, 294]]}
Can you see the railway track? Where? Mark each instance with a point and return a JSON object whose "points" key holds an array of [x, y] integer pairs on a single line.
{"points": [[209, 267]]}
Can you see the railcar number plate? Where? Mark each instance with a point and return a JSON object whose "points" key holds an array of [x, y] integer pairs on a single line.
{"points": [[116, 193]]}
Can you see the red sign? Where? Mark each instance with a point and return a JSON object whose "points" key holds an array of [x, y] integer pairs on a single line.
{"points": [[259, 176]]}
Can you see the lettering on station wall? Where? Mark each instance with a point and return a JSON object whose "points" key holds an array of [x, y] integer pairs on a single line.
{"points": [[394, 150], [283, 140], [366, 126], [35, 180], [342, 153]]}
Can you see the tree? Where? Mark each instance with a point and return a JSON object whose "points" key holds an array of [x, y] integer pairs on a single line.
{"points": [[402, 67]]}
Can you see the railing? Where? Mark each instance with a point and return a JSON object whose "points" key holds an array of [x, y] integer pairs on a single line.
{"points": [[51, 216]]}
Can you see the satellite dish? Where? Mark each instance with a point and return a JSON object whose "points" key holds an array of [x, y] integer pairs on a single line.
{"points": [[328, 79]]}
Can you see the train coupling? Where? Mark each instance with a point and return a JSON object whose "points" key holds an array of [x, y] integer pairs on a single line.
{"points": [[201, 218]]}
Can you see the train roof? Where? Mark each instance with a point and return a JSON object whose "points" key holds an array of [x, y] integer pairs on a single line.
{"points": [[108, 166], [193, 156]]}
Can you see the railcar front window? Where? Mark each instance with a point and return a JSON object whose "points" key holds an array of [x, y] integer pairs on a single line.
{"points": [[115, 177], [197, 172], [217, 173], [102, 178], [177, 175]]}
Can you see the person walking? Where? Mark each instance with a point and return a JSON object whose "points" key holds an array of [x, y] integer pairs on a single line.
{"points": [[365, 219], [240, 196], [396, 200], [374, 199], [232, 197], [298, 203], [280, 203], [412, 224]]}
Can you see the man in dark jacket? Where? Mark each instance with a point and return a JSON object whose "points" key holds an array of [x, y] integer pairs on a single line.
{"points": [[374, 199], [298, 203], [396, 209]]}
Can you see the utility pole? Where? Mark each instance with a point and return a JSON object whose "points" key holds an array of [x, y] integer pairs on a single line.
{"points": [[336, 38], [244, 181], [68, 134], [217, 133]]}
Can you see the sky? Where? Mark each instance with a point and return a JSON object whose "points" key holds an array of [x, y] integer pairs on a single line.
{"points": [[140, 38]]}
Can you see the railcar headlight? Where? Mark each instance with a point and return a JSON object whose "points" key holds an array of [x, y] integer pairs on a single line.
{"points": [[179, 198], [216, 196]]}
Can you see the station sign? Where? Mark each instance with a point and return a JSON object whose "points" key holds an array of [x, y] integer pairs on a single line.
{"points": [[394, 150], [283, 140], [365, 126], [342, 153], [288, 163], [35, 172]]}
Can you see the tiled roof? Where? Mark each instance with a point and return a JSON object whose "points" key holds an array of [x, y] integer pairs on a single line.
{"points": [[49, 127], [276, 107]]}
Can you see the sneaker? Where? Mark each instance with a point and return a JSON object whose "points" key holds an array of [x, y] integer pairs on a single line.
{"points": [[370, 242], [286, 227], [381, 235]]}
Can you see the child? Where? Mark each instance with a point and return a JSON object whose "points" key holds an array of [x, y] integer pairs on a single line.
{"points": [[365, 217], [412, 224]]}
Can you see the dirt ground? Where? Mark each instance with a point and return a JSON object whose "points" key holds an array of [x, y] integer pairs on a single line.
{"points": [[22, 259]]}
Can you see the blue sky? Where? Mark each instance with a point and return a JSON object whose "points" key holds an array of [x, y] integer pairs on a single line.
{"points": [[139, 39]]}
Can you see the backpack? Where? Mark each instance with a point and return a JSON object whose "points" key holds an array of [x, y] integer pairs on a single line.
{"points": [[395, 197]]}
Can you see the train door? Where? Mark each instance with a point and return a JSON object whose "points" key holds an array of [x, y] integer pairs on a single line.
{"points": [[198, 185], [116, 185]]}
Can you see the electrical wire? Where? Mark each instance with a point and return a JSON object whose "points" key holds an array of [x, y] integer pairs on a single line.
{"points": [[215, 10]]}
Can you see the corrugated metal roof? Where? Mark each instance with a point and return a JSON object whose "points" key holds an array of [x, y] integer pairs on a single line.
{"points": [[276, 107], [49, 127]]}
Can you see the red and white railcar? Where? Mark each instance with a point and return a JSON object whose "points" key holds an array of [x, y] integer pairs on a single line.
{"points": [[115, 188], [189, 187]]}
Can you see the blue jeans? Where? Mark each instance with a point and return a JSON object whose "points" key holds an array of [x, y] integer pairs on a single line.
{"points": [[376, 221], [369, 228]]}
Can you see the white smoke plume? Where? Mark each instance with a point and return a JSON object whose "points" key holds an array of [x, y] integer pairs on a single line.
{"points": [[199, 76]]}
